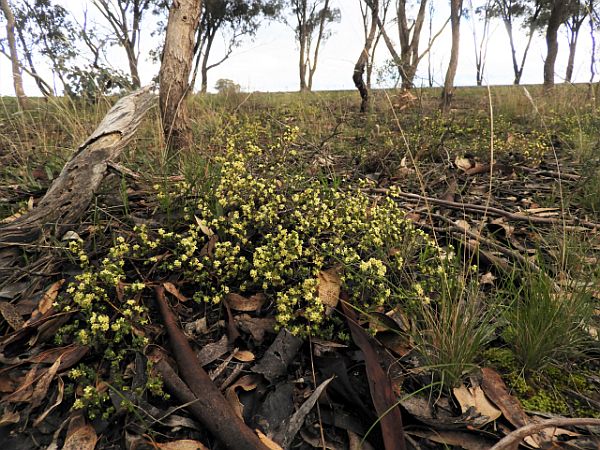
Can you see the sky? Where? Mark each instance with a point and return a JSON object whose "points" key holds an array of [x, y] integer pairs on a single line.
{"points": [[269, 62]]}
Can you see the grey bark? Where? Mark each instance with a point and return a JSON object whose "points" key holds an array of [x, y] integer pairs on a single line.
{"points": [[363, 59], [557, 16], [448, 90], [174, 76], [14, 56]]}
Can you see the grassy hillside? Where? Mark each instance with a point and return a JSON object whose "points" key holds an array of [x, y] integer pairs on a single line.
{"points": [[464, 242]]}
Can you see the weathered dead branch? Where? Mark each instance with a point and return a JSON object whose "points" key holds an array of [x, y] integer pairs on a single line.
{"points": [[72, 192], [212, 408]]}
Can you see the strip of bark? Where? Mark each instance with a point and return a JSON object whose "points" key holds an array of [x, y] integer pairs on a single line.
{"points": [[511, 441], [213, 409], [379, 384]]}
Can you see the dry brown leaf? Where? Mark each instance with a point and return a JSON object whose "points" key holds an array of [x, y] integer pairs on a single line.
{"points": [[183, 444], [196, 327], [478, 168], [271, 445], [247, 383], [256, 326], [474, 397], [9, 418], [455, 439], [244, 356], [11, 315], [355, 442], [204, 228], [42, 385], [497, 392], [462, 224], [172, 289], [49, 297], [82, 437], [24, 392], [463, 164], [240, 303], [328, 287], [58, 401]]}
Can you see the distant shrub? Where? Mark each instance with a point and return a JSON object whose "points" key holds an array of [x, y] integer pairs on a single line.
{"points": [[226, 86]]}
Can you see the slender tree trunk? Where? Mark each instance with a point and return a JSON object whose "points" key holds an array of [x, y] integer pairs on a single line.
{"points": [[302, 37], [519, 73], [363, 59], [572, 50], [513, 50], [43, 86], [133, 66], [174, 75], [313, 66], [448, 91], [14, 56], [554, 22], [210, 38]]}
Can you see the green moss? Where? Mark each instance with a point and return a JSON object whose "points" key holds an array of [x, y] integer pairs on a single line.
{"points": [[546, 391]]}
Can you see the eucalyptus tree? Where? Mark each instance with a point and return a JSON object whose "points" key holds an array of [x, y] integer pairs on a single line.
{"points": [[480, 44], [366, 12], [125, 19], [233, 20], [409, 33], [515, 13], [579, 11], [175, 71], [456, 10], [13, 54], [311, 19], [363, 59], [559, 12]]}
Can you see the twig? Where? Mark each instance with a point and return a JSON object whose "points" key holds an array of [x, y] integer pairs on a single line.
{"points": [[212, 408], [511, 441], [517, 217], [490, 243]]}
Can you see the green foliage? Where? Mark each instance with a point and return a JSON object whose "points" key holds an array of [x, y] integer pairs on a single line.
{"points": [[225, 86]]}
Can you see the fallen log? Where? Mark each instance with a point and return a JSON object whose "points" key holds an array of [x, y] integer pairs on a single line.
{"points": [[71, 193]]}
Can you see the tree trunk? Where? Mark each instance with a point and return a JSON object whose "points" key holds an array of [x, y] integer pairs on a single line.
{"points": [[554, 22], [363, 59], [448, 91], [302, 38], [313, 66], [133, 67], [210, 37], [571, 61], [14, 57], [174, 75]]}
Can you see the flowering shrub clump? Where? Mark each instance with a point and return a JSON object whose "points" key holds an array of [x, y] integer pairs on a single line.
{"points": [[254, 231], [257, 231]]}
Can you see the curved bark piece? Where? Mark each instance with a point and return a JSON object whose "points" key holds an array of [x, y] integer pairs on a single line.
{"points": [[212, 409], [511, 440], [71, 193]]}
